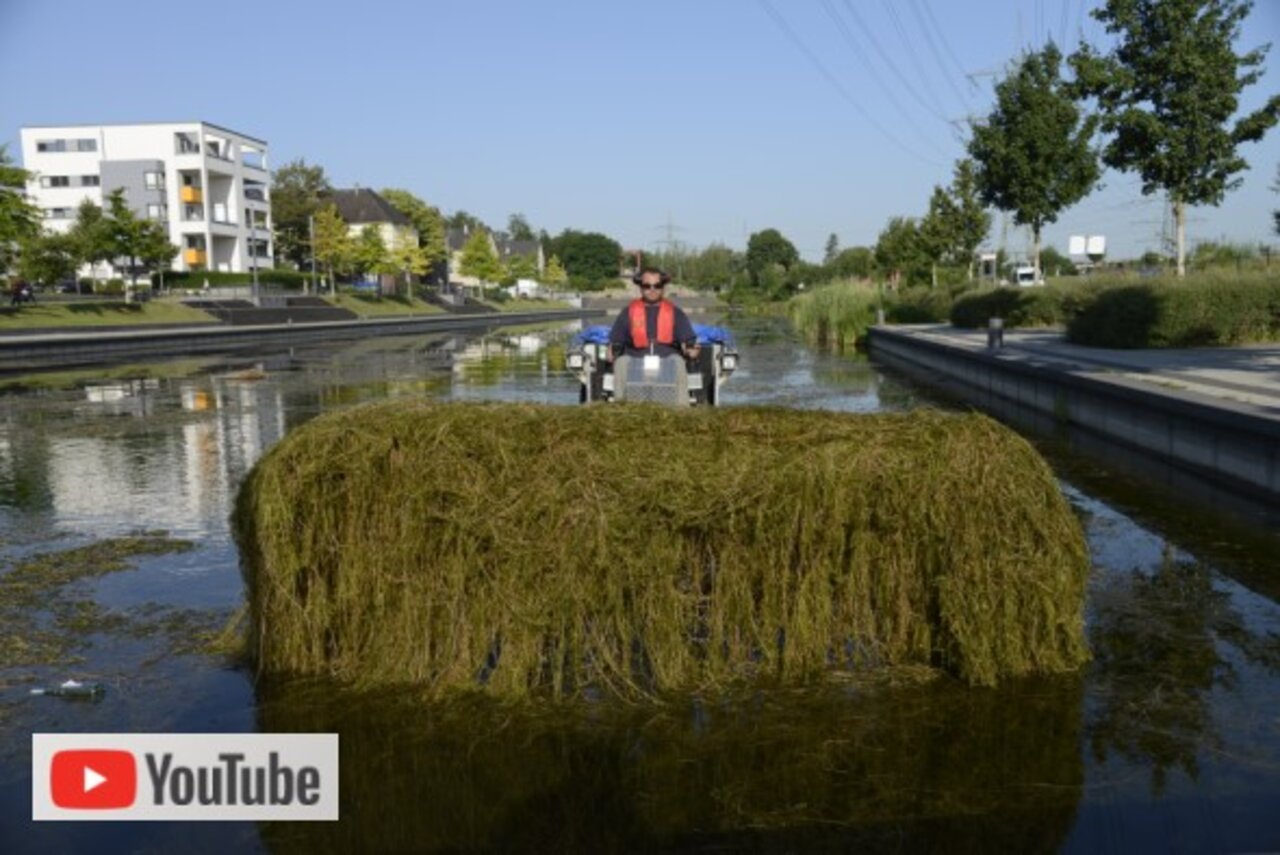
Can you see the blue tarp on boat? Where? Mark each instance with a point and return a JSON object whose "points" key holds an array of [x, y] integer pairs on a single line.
{"points": [[599, 334]]}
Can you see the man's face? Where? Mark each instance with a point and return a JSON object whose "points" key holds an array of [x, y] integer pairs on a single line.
{"points": [[651, 287]]}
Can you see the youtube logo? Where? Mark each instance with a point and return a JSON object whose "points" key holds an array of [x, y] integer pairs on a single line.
{"points": [[93, 779], [125, 777]]}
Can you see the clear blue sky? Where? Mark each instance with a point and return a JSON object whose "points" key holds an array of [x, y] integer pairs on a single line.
{"points": [[611, 116]]}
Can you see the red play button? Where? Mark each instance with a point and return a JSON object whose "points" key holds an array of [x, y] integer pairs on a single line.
{"points": [[94, 779]]}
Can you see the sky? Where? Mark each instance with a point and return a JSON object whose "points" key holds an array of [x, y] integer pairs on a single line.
{"points": [[688, 120]]}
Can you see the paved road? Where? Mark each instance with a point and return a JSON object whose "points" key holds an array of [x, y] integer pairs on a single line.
{"points": [[1249, 373]]}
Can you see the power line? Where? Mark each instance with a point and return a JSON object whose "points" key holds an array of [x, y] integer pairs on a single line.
{"points": [[839, 87], [909, 44], [942, 37], [933, 49], [887, 59], [857, 51]]}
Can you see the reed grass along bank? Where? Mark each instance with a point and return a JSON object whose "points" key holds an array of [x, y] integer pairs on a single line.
{"points": [[528, 549]]}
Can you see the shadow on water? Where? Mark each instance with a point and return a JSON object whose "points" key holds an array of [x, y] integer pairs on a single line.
{"points": [[934, 767]]}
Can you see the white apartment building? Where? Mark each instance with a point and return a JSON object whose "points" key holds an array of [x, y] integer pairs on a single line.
{"points": [[209, 185]]}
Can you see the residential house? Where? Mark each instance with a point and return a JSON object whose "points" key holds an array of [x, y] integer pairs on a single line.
{"points": [[361, 207]]}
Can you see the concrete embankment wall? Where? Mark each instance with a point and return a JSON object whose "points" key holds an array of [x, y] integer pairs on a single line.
{"points": [[20, 353], [1234, 444]]}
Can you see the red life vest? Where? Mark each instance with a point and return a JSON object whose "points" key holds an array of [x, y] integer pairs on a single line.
{"points": [[640, 330]]}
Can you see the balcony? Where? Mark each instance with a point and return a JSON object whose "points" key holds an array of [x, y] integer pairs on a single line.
{"points": [[192, 195], [255, 193], [194, 257]]}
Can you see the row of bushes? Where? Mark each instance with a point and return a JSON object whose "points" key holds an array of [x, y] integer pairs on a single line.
{"points": [[1215, 309], [196, 278], [1210, 309]]}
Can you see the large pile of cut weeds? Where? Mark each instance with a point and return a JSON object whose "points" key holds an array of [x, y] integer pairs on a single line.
{"points": [[635, 550]]}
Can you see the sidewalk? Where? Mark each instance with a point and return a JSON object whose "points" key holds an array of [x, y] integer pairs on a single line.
{"points": [[1247, 374]]}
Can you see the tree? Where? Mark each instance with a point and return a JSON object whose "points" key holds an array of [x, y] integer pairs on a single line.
{"points": [[523, 267], [1032, 154], [769, 247], [1057, 264], [297, 194], [370, 252], [855, 262], [19, 219], [555, 273], [1167, 92], [589, 258], [409, 258], [519, 229], [716, 266], [1276, 188], [832, 249], [463, 220], [156, 251], [333, 245], [426, 219], [479, 259], [937, 235], [972, 219], [91, 234], [899, 251], [48, 258], [128, 234]]}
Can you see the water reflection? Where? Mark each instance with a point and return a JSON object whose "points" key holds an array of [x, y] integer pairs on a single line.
{"points": [[938, 766]]}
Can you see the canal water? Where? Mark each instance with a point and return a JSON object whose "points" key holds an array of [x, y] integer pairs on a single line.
{"points": [[118, 567]]}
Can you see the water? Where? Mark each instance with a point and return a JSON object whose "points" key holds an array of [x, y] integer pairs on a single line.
{"points": [[1169, 740]]}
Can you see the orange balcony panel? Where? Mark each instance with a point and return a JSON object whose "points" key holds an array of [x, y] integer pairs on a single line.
{"points": [[194, 256], [192, 194]]}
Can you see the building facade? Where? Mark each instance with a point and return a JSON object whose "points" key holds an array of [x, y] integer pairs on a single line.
{"points": [[209, 185]]}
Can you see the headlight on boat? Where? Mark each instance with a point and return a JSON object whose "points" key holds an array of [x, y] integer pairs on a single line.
{"points": [[729, 361], [575, 361]]}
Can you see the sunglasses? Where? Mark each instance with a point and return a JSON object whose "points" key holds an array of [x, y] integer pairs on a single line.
{"points": [[654, 287]]}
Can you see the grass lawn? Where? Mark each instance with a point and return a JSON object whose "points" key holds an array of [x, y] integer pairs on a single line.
{"points": [[42, 315], [371, 306]]}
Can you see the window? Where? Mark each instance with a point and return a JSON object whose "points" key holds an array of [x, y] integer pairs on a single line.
{"points": [[57, 213], [67, 145], [157, 212], [90, 181], [154, 180], [55, 181]]}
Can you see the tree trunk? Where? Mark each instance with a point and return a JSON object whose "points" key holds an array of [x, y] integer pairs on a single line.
{"points": [[1180, 217], [933, 274], [1035, 249]]}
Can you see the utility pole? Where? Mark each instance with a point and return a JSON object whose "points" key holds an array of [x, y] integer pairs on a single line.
{"points": [[253, 253], [311, 238]]}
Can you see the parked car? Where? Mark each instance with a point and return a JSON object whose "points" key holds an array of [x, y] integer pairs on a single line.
{"points": [[71, 286]]}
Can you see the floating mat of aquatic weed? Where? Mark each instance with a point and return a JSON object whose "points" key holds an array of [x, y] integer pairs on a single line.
{"points": [[534, 549]]}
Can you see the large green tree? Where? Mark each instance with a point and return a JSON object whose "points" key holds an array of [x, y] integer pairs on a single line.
{"points": [[766, 248], [1167, 92], [589, 258], [1032, 153], [297, 194], [900, 253], [19, 219], [972, 221], [48, 258], [141, 241], [427, 219], [371, 254]]}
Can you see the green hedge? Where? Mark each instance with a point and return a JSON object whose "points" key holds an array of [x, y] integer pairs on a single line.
{"points": [[1211, 310], [919, 306], [197, 278], [1019, 307]]}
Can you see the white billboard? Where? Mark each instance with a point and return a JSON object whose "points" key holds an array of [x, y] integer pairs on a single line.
{"points": [[1075, 246], [1096, 246]]}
